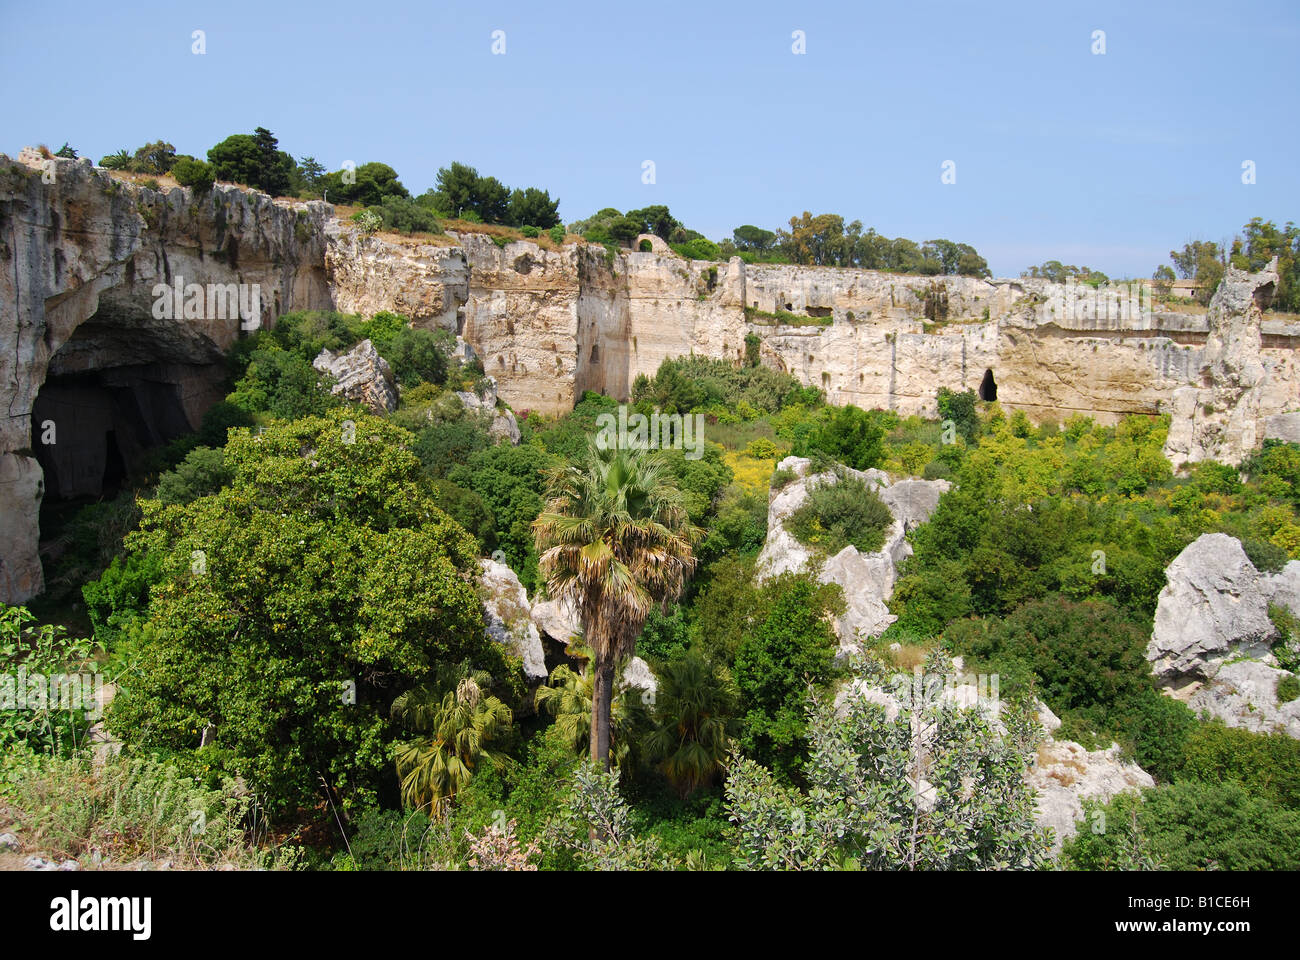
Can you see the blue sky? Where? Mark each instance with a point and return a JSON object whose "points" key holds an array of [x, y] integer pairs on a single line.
{"points": [[1107, 160]]}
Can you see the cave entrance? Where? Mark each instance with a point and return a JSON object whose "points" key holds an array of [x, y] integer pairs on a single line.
{"points": [[988, 387], [103, 425]]}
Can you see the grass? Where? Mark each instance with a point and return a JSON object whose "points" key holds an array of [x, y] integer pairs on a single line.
{"points": [[128, 809], [782, 318]]}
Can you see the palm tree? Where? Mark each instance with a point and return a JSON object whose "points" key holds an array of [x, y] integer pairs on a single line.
{"points": [[567, 697], [694, 707], [458, 724], [615, 540]]}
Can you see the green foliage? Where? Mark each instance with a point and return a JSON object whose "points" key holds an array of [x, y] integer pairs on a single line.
{"points": [[136, 807], [698, 249], [372, 184], [417, 356], [1266, 764], [860, 810], [1189, 826], [850, 435], [788, 649], [194, 173], [203, 472], [510, 481], [597, 825], [694, 710], [254, 160], [456, 720], [694, 383], [323, 569], [283, 384], [840, 514], [557, 234], [48, 690], [400, 214], [666, 635], [960, 409]]}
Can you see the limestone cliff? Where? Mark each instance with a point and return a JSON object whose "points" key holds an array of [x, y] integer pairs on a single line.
{"points": [[84, 349], [82, 254]]}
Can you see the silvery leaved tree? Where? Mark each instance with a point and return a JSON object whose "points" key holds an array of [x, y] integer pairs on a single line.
{"points": [[935, 787]]}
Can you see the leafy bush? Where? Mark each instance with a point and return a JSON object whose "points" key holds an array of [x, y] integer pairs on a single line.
{"points": [[789, 647], [1188, 826], [295, 604], [1266, 764], [417, 356], [841, 514], [45, 700], [851, 436], [203, 472], [860, 812], [194, 173]]}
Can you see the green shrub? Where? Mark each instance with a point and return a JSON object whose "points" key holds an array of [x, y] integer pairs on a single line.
{"points": [[840, 514], [201, 473], [1188, 825], [557, 234], [1288, 689], [529, 232], [789, 646], [782, 477], [198, 174], [51, 717], [1266, 764]]}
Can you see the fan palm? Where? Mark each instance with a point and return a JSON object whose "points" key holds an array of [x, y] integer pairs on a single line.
{"points": [[458, 724], [567, 697], [615, 540], [694, 707]]}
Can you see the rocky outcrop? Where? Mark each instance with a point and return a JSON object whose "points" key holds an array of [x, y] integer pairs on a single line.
{"points": [[361, 375], [1212, 642], [867, 579], [1064, 774], [1225, 412], [425, 281], [503, 424], [507, 614]]}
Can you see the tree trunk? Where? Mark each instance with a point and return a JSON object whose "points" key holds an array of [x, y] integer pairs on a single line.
{"points": [[601, 695]]}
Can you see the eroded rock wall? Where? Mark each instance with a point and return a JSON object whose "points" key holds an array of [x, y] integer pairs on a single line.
{"points": [[82, 253]]}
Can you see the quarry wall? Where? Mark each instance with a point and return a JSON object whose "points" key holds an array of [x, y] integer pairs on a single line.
{"points": [[82, 345]]}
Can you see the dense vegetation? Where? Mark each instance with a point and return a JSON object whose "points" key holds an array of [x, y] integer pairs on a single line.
{"points": [[286, 603]]}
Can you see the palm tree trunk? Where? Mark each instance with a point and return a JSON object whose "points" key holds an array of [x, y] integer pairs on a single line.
{"points": [[601, 696]]}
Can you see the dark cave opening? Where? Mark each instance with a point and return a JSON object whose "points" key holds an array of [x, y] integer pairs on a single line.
{"points": [[91, 431], [988, 387]]}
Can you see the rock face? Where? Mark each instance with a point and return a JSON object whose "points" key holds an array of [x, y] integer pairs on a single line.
{"points": [[1211, 646], [506, 610], [84, 252], [504, 426], [867, 579], [86, 322], [1065, 774], [1226, 412], [361, 375]]}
